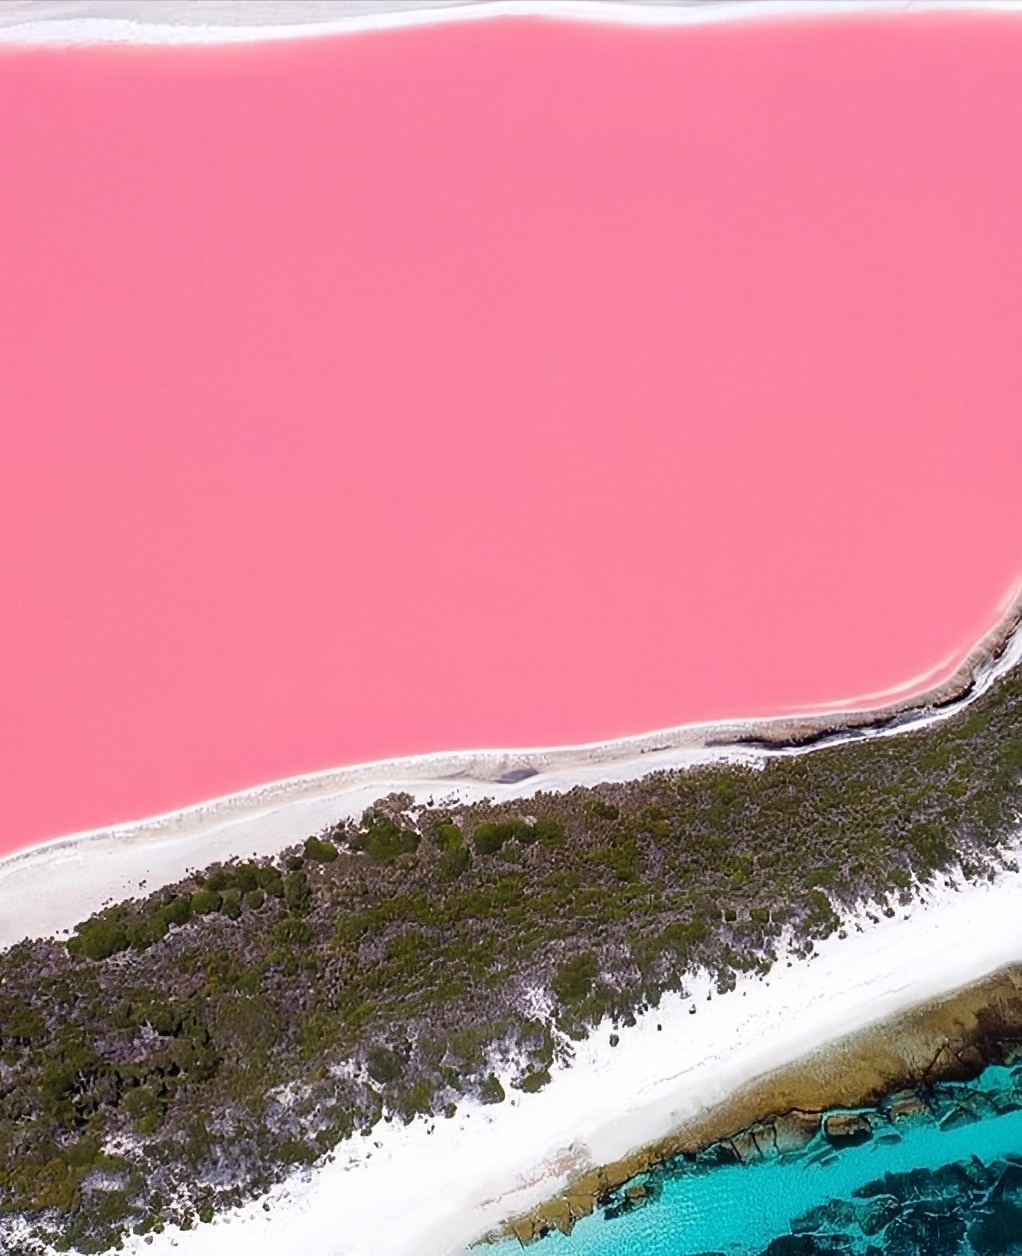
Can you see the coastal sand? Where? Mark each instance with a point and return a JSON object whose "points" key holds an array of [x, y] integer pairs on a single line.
{"points": [[227, 21]]}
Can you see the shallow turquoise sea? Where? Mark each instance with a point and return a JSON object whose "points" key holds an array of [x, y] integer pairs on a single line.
{"points": [[943, 1183]]}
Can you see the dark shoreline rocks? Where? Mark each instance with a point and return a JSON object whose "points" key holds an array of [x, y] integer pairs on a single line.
{"points": [[862, 1086]]}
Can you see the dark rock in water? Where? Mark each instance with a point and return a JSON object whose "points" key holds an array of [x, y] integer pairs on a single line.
{"points": [[955, 1181], [1009, 1185], [879, 1212], [808, 1245], [795, 1130], [835, 1214], [718, 1153], [905, 1105], [921, 1231], [887, 1185], [979, 1175], [847, 1129], [999, 1231], [957, 1117]]}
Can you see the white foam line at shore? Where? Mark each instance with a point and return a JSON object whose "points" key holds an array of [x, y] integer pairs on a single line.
{"points": [[47, 888], [202, 21]]}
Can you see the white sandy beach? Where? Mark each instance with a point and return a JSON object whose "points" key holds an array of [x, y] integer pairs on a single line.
{"points": [[244, 21]]}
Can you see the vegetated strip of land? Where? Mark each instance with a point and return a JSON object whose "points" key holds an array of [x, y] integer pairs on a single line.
{"points": [[182, 1052]]}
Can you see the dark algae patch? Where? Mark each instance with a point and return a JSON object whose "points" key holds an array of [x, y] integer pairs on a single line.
{"points": [[182, 1052]]}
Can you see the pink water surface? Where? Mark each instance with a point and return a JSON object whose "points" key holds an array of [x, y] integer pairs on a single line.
{"points": [[507, 383]]}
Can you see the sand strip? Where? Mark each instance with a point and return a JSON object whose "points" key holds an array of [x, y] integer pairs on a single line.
{"points": [[34, 22]]}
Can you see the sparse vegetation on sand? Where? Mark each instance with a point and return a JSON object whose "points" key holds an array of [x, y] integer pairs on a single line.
{"points": [[180, 1053]]}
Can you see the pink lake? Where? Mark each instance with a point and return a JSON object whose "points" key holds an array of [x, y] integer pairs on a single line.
{"points": [[497, 384]]}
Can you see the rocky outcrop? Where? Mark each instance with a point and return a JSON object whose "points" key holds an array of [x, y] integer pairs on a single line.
{"points": [[848, 1129]]}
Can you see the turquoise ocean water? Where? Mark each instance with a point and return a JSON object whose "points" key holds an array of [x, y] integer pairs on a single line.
{"points": [[938, 1184]]}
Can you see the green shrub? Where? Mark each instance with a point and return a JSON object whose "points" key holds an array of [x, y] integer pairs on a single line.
{"points": [[447, 835], [254, 899], [144, 1109], [98, 939], [292, 932], [532, 1082], [206, 901], [454, 862], [490, 837], [320, 851], [178, 911], [931, 844], [269, 879], [575, 978], [298, 893], [24, 1027], [231, 905], [491, 1091], [384, 840], [383, 1065], [549, 831]]}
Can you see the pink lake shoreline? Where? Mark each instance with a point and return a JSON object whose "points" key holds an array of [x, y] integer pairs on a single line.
{"points": [[522, 770], [312, 457]]}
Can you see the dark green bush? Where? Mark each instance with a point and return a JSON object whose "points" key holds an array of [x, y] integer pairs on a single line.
{"points": [[532, 1082], [292, 932], [383, 1065], [491, 1091], [231, 905], [98, 939], [454, 862], [297, 893], [320, 851], [206, 901], [178, 911], [269, 879], [575, 978], [384, 840]]}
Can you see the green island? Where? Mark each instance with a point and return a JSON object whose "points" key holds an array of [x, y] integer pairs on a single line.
{"points": [[179, 1054]]}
